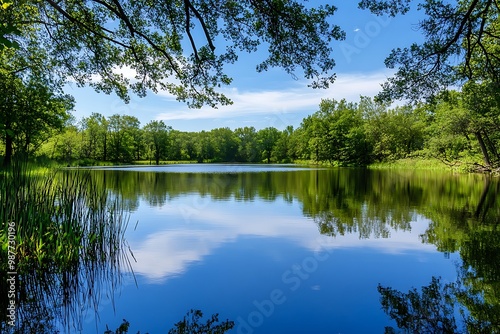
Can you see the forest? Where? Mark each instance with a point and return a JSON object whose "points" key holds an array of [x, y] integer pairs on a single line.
{"points": [[443, 101], [339, 133]]}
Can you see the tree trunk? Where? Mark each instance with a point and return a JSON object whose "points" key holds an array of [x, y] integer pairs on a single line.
{"points": [[484, 150], [105, 148], [7, 160], [492, 146], [157, 157]]}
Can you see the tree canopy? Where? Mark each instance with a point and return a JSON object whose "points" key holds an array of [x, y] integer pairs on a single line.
{"points": [[177, 46], [462, 41], [29, 113]]}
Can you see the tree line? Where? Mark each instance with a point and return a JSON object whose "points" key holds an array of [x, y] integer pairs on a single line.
{"points": [[454, 128], [45, 44]]}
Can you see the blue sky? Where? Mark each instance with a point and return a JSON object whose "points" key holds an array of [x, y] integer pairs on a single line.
{"points": [[274, 98]]}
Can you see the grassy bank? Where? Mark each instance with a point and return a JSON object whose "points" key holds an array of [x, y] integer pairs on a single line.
{"points": [[402, 164], [418, 163]]}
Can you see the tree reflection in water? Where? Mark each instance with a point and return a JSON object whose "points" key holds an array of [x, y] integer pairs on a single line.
{"points": [[474, 232], [463, 211], [71, 247]]}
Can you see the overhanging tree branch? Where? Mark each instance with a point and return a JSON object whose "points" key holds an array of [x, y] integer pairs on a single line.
{"points": [[86, 27]]}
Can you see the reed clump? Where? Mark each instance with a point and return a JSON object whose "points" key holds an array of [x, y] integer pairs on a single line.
{"points": [[69, 245]]}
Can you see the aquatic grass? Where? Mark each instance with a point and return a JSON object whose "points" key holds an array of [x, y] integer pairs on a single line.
{"points": [[69, 242]]}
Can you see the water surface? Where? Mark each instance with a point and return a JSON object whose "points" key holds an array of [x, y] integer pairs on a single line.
{"points": [[287, 249]]}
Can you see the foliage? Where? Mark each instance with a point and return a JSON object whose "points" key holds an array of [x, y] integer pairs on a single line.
{"points": [[177, 46], [7, 29], [30, 113], [191, 324], [336, 133], [430, 312], [123, 137], [248, 148], [460, 129], [461, 44], [267, 139], [465, 126], [396, 133], [156, 135], [225, 144]]}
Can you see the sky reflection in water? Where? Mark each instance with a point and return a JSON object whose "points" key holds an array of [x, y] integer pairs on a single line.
{"points": [[264, 265]]}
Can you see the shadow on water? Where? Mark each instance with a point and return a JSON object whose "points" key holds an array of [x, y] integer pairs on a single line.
{"points": [[62, 248]]}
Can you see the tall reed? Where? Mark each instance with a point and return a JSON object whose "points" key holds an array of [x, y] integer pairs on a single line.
{"points": [[70, 247]]}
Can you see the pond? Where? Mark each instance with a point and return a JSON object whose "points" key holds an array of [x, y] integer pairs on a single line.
{"points": [[290, 249]]}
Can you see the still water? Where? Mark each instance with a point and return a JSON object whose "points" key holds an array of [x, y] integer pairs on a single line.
{"points": [[287, 249]]}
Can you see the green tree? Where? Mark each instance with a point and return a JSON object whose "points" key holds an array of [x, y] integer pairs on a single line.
{"points": [[377, 128], [30, 113], [32, 101], [248, 149], [205, 146], [174, 46], [268, 139], [449, 137], [122, 129], [66, 146], [462, 43], [188, 145], [176, 146], [283, 151], [226, 144], [466, 128], [156, 136], [482, 100], [137, 136], [303, 136], [7, 30], [94, 133], [337, 133], [393, 133]]}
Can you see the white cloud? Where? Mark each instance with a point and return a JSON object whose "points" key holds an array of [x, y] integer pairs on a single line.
{"points": [[169, 252], [296, 98]]}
